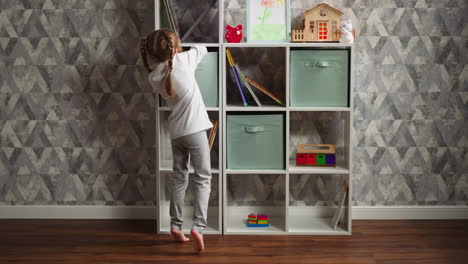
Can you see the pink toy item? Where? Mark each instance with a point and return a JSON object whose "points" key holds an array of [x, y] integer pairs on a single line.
{"points": [[233, 35], [262, 217]]}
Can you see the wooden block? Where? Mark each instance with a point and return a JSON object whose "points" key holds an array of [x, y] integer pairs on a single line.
{"points": [[311, 159], [301, 159], [321, 159], [316, 148]]}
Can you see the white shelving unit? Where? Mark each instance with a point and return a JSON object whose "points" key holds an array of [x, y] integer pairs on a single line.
{"points": [[285, 218]]}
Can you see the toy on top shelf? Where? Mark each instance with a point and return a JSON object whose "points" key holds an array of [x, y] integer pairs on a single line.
{"points": [[233, 34], [348, 33], [320, 23], [260, 220], [316, 154]]}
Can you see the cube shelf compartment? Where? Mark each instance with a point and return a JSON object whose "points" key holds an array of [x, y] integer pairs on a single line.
{"points": [[214, 214], [255, 141], [263, 65], [165, 152], [298, 199], [323, 127], [207, 81], [319, 77], [186, 13], [244, 195], [312, 211]]}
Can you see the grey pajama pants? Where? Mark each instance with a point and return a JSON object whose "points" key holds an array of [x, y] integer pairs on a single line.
{"points": [[195, 148]]}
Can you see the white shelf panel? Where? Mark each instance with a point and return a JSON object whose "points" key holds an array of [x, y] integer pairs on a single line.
{"points": [[313, 226], [288, 44], [255, 171], [167, 170], [254, 45], [238, 225], [320, 45], [200, 44], [211, 228], [255, 108], [339, 169], [165, 108], [320, 109], [166, 167]]}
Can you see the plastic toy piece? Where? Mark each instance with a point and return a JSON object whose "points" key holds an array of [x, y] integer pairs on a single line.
{"points": [[321, 159], [301, 159], [233, 34], [260, 220], [252, 219]]}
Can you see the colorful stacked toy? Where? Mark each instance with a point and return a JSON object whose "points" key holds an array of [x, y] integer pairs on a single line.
{"points": [[260, 220], [316, 154], [252, 219]]}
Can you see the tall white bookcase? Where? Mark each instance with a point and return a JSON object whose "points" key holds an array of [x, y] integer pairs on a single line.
{"points": [[287, 217]]}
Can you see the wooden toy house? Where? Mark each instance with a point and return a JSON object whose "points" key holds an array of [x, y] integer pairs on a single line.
{"points": [[321, 23]]}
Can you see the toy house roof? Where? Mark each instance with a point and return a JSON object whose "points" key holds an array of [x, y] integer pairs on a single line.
{"points": [[323, 5]]}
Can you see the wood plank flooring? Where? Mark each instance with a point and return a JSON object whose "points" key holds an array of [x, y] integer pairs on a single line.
{"points": [[136, 241]]}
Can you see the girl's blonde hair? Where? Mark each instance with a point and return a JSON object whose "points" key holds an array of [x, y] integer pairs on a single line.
{"points": [[160, 46]]}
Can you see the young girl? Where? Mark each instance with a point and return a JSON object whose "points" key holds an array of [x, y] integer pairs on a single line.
{"points": [[172, 75]]}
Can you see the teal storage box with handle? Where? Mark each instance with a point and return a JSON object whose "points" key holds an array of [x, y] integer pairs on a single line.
{"points": [[206, 75], [255, 141], [319, 78]]}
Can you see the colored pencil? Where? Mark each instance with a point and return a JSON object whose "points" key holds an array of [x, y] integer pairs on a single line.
{"points": [[236, 77], [265, 91]]}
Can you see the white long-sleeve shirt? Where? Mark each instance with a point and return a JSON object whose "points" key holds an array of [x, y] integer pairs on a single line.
{"points": [[188, 112]]}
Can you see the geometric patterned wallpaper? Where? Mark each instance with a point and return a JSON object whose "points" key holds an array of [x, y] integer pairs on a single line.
{"points": [[77, 122], [77, 119], [410, 100]]}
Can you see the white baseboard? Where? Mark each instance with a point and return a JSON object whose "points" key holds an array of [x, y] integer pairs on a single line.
{"points": [[78, 212], [150, 212], [409, 212]]}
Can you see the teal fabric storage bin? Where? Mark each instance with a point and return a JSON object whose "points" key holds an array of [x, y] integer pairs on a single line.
{"points": [[255, 141], [319, 78], [206, 75]]}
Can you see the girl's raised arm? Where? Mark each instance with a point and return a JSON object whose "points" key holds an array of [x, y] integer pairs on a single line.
{"points": [[195, 55]]}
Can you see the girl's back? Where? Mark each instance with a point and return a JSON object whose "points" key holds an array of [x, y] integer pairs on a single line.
{"points": [[188, 112]]}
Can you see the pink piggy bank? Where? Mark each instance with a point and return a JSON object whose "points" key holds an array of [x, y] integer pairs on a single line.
{"points": [[233, 35]]}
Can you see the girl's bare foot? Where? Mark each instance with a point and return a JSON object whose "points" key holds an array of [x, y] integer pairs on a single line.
{"points": [[179, 236], [198, 244]]}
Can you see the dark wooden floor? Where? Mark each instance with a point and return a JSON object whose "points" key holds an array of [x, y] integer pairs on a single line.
{"points": [[135, 241]]}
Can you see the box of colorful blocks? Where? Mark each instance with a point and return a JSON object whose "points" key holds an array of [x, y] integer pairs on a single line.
{"points": [[260, 220], [316, 155]]}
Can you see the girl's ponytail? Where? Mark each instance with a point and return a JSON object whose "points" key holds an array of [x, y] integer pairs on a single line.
{"points": [[170, 48], [143, 54]]}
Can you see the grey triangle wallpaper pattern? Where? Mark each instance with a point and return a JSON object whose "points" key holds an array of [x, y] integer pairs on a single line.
{"points": [[77, 120]]}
